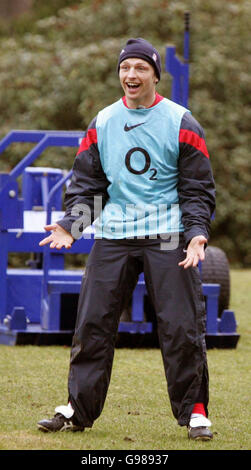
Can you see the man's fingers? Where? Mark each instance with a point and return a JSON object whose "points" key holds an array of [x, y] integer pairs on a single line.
{"points": [[184, 261], [189, 261], [195, 252], [45, 241], [58, 238], [202, 255], [48, 228], [195, 260], [63, 245], [53, 244], [59, 245], [48, 239]]}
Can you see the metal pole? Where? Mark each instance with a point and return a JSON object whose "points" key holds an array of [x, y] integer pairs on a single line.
{"points": [[186, 36]]}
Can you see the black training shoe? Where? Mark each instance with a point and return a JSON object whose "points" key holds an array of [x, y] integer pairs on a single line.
{"points": [[200, 433], [58, 423], [198, 428]]}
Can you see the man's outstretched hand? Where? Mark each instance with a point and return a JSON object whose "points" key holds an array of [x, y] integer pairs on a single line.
{"points": [[59, 237], [195, 252]]}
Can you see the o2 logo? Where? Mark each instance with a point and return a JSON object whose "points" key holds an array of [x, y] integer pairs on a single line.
{"points": [[146, 166]]}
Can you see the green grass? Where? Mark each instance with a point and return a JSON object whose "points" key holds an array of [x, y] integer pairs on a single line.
{"points": [[137, 412]]}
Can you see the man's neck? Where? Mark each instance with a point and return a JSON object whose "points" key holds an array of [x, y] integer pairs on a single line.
{"points": [[147, 103], [156, 100]]}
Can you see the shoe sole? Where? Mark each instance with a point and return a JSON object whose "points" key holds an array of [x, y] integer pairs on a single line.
{"points": [[201, 438], [42, 428], [63, 429]]}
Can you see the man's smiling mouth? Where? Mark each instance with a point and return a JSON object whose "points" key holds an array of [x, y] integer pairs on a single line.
{"points": [[132, 85]]}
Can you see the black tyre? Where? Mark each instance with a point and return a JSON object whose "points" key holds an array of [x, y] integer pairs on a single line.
{"points": [[215, 270]]}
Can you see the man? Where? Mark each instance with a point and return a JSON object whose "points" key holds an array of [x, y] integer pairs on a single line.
{"points": [[144, 155]]}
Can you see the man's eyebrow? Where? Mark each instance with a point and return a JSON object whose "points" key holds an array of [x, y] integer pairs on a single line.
{"points": [[125, 62]]}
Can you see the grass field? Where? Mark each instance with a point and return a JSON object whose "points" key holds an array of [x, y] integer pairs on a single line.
{"points": [[137, 414]]}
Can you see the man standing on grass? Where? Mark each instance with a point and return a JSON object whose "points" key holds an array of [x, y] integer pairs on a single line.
{"points": [[144, 156]]}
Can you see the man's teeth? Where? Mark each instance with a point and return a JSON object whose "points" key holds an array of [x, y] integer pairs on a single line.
{"points": [[132, 85]]}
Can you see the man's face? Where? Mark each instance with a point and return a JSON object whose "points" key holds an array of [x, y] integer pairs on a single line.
{"points": [[138, 80]]}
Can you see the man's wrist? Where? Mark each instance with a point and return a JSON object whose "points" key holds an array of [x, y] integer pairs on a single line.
{"points": [[194, 232]]}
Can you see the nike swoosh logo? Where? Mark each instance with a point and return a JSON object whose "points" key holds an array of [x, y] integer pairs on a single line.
{"points": [[129, 128]]}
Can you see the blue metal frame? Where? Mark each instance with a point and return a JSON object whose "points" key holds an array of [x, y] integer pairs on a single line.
{"points": [[12, 236], [179, 69]]}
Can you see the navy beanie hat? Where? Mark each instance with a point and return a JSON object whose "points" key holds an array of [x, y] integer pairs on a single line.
{"points": [[140, 48]]}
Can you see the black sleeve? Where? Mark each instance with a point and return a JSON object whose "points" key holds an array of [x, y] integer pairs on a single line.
{"points": [[88, 180], [196, 187]]}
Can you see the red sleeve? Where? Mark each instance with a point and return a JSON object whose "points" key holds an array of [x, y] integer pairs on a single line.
{"points": [[196, 186], [88, 180]]}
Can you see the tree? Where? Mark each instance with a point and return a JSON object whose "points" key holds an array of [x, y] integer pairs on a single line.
{"points": [[13, 8]]}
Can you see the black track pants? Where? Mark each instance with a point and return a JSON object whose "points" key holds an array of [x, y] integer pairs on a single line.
{"points": [[111, 275]]}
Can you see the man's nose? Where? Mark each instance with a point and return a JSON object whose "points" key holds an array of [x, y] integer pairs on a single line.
{"points": [[131, 72]]}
